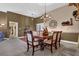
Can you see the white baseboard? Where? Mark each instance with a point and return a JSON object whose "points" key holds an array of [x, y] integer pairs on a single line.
{"points": [[21, 37], [6, 38], [69, 42], [17, 37]]}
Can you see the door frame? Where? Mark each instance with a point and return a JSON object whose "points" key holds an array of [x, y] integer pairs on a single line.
{"points": [[16, 23]]}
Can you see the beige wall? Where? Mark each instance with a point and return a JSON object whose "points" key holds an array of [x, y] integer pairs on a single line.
{"points": [[64, 14], [3, 20]]}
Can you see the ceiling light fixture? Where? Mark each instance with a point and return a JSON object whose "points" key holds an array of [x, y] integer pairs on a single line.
{"points": [[45, 16]]}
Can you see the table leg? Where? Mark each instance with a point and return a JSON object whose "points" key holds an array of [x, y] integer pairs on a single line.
{"points": [[41, 44]]}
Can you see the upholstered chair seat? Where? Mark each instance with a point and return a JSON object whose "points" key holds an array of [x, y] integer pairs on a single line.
{"points": [[47, 41], [34, 43]]}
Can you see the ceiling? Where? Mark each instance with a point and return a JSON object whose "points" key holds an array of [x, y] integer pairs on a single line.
{"points": [[30, 9]]}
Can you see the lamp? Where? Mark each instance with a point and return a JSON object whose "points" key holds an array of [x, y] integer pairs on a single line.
{"points": [[2, 25], [45, 16]]}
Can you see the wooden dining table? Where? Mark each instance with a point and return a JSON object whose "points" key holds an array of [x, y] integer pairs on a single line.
{"points": [[41, 40]]}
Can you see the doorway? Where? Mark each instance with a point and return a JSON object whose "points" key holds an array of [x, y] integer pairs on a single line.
{"points": [[13, 29]]}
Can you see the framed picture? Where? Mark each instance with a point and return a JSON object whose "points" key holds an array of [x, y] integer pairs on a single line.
{"points": [[53, 23]]}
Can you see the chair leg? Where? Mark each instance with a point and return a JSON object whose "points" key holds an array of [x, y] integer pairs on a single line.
{"points": [[55, 46], [27, 47], [33, 51], [51, 49], [59, 44]]}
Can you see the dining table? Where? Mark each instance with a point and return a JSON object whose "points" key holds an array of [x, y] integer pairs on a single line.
{"points": [[41, 39]]}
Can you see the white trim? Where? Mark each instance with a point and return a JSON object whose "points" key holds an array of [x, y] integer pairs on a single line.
{"points": [[21, 37], [18, 37], [16, 29], [6, 38], [69, 42]]}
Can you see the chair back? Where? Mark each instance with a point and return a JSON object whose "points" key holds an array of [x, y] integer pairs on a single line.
{"points": [[29, 36], [54, 37], [59, 35]]}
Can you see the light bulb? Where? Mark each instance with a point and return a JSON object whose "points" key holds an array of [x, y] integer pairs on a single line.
{"points": [[50, 17], [41, 17], [2, 24], [47, 16]]}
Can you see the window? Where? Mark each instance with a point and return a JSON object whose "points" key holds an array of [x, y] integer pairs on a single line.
{"points": [[39, 27]]}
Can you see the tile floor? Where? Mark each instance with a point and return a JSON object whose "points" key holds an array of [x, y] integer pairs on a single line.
{"points": [[16, 47]]}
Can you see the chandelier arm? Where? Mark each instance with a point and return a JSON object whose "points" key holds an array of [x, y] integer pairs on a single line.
{"points": [[45, 9], [45, 16]]}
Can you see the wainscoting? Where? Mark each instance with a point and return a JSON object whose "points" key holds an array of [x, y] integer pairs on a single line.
{"points": [[70, 37]]}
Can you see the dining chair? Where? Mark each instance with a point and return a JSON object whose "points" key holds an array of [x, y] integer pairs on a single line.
{"points": [[56, 41], [49, 42], [31, 41], [59, 37]]}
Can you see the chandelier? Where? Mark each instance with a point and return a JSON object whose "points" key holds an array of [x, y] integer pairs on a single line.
{"points": [[45, 17]]}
